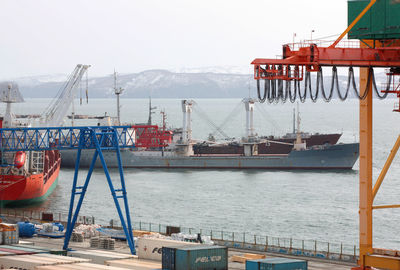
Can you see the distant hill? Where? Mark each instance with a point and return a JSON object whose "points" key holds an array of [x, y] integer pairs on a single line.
{"points": [[160, 84]]}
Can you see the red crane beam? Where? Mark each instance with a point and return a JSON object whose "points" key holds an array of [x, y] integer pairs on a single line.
{"points": [[312, 58]]}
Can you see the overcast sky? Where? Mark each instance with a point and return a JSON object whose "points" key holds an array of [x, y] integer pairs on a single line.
{"points": [[52, 36]]}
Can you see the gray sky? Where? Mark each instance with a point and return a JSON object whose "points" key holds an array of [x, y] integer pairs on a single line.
{"points": [[52, 36]]}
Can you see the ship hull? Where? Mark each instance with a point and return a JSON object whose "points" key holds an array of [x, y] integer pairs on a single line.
{"points": [[16, 191], [340, 156], [278, 145]]}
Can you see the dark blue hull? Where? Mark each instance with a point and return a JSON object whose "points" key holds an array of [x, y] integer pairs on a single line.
{"points": [[339, 156]]}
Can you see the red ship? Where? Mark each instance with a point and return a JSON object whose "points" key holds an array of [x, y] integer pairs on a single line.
{"points": [[32, 182]]}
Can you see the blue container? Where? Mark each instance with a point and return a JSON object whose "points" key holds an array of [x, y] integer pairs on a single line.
{"points": [[195, 257], [26, 229], [276, 264]]}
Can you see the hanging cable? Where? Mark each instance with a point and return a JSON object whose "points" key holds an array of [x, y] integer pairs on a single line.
{"points": [[274, 92], [261, 99]]}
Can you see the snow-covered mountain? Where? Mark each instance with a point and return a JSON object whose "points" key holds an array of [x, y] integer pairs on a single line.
{"points": [[157, 83], [166, 84]]}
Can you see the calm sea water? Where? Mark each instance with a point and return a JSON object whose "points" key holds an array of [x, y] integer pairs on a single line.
{"points": [[300, 204]]}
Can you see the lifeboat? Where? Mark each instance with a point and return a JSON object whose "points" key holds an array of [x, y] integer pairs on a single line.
{"points": [[19, 159]]}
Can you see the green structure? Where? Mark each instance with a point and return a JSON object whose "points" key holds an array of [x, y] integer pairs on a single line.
{"points": [[382, 21]]}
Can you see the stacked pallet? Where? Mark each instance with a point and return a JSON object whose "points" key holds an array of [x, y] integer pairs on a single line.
{"points": [[77, 237], [102, 242]]}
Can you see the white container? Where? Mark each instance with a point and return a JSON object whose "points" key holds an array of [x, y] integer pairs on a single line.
{"points": [[135, 264], [151, 248], [99, 256], [29, 262], [78, 266]]}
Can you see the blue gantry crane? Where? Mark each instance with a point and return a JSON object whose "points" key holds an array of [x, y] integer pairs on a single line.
{"points": [[99, 138]]}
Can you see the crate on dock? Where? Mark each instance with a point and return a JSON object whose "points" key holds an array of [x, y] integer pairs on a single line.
{"points": [[172, 229], [47, 216], [247, 256], [195, 257], [276, 264], [77, 237]]}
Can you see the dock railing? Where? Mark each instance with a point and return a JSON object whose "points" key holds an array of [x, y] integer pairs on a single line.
{"points": [[239, 240], [44, 216], [264, 243]]}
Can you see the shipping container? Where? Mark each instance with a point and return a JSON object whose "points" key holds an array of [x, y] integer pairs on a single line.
{"points": [[276, 264], [29, 262], [99, 256], [135, 264], [198, 257], [79, 266], [382, 21], [40, 249], [151, 248]]}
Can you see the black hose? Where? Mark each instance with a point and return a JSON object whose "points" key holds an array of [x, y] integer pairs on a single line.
{"points": [[260, 99], [273, 90], [304, 96], [296, 84], [308, 82], [336, 81], [320, 82], [366, 90], [387, 86]]}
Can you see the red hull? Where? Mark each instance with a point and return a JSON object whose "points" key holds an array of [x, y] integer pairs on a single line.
{"points": [[25, 189]]}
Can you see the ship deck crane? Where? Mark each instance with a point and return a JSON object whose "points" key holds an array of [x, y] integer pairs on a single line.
{"points": [[79, 138], [297, 65], [56, 111]]}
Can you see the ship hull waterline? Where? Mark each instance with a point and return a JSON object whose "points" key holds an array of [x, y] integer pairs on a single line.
{"points": [[334, 157], [30, 191]]}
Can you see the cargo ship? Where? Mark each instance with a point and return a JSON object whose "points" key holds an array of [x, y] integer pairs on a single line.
{"points": [[25, 177], [156, 148]]}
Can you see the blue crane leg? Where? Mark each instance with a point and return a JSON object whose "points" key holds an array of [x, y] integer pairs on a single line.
{"points": [[110, 184], [121, 174], [71, 204], [78, 206]]}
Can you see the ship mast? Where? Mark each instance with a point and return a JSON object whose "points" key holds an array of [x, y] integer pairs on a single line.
{"points": [[117, 92], [249, 105], [150, 112], [294, 120], [298, 144], [164, 118]]}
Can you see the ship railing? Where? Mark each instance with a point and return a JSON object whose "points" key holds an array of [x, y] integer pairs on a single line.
{"points": [[51, 170], [256, 242]]}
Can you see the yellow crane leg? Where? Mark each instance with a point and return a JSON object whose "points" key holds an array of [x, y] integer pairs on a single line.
{"points": [[365, 191], [386, 167]]}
